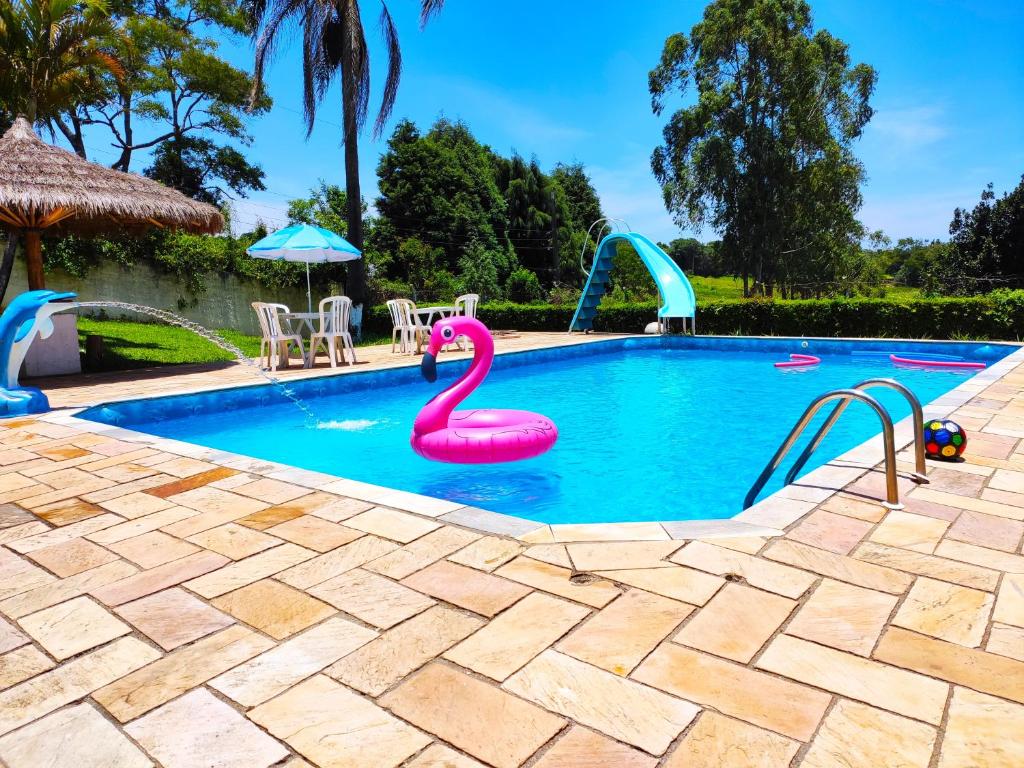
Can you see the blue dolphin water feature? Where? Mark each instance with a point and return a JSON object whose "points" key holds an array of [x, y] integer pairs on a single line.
{"points": [[26, 317]]}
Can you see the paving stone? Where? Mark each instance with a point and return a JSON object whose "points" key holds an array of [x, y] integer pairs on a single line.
{"points": [[71, 681], [987, 531], [1010, 600], [609, 532], [153, 580], [280, 668], [168, 677], [336, 562], [888, 687], [19, 575], [181, 487], [580, 748], [946, 611], [21, 531], [64, 534], [736, 623], [514, 637], [21, 664], [234, 541], [249, 570], [615, 706], [468, 588], [986, 505], [487, 553], [721, 742], [173, 617], [555, 580], [274, 608], [760, 573], [677, 583], [372, 598], [976, 669], [621, 634], [141, 525], [335, 728], [839, 567], [52, 591], [67, 629], [76, 737], [909, 531], [10, 637], [553, 554], [779, 705], [928, 565], [476, 717], [983, 556], [440, 756], [199, 730], [273, 491], [422, 552], [621, 555], [138, 504], [182, 466], [152, 549], [271, 516], [72, 557], [982, 732], [851, 506], [843, 616], [832, 532], [858, 735], [1006, 641], [314, 533], [392, 524]]}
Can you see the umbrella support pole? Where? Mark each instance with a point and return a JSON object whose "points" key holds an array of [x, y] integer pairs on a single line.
{"points": [[309, 293]]}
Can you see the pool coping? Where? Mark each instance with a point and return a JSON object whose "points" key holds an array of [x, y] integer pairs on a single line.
{"points": [[767, 518]]}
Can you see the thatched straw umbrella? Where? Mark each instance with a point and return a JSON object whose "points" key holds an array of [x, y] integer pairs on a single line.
{"points": [[43, 187]]}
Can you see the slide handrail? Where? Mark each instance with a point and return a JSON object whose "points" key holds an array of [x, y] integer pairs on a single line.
{"points": [[604, 222]]}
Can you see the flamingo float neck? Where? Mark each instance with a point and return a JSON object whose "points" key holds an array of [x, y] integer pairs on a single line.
{"points": [[434, 415]]}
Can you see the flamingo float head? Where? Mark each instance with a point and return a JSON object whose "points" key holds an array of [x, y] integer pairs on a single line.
{"points": [[446, 331]]}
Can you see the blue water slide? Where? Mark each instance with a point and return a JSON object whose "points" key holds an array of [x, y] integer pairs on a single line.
{"points": [[676, 292]]}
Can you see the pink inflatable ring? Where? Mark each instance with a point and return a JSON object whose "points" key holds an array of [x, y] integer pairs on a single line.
{"points": [[481, 436]]}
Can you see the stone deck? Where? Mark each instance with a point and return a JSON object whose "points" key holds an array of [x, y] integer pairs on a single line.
{"points": [[159, 609]]}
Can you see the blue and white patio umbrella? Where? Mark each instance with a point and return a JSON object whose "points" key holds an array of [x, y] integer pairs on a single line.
{"points": [[304, 242]]}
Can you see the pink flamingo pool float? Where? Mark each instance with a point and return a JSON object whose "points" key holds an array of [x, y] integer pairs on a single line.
{"points": [[479, 436], [799, 361]]}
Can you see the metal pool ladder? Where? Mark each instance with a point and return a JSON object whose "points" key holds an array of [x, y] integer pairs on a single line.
{"points": [[845, 397]]}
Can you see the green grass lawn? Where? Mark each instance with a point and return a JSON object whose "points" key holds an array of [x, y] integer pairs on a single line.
{"points": [[716, 288], [141, 345]]}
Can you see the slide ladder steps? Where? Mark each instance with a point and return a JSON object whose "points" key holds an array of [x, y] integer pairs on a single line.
{"points": [[597, 286]]}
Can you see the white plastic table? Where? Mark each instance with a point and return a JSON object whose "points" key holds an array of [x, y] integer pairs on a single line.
{"points": [[425, 317], [303, 319]]}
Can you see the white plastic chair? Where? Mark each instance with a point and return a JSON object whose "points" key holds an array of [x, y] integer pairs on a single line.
{"points": [[335, 313], [406, 325], [275, 341], [465, 305]]}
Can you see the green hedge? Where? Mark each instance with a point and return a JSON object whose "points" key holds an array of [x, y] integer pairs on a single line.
{"points": [[999, 315]]}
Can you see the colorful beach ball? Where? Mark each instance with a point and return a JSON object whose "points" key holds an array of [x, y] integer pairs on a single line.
{"points": [[944, 439]]}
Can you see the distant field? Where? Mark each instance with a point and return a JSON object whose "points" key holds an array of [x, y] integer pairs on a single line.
{"points": [[716, 288]]}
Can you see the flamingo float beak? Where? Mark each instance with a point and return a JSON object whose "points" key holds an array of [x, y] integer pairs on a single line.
{"points": [[428, 367]]}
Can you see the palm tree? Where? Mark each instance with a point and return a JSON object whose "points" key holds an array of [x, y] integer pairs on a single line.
{"points": [[53, 52], [334, 42]]}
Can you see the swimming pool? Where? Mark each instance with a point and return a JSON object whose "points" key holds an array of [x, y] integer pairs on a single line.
{"points": [[659, 428]]}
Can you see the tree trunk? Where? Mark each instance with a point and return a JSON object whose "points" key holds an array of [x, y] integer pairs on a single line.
{"points": [[7, 264], [356, 288], [34, 260]]}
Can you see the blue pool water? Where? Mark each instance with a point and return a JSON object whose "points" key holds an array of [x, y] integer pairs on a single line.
{"points": [[650, 429]]}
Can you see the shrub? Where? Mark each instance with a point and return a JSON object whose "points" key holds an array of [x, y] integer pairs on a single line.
{"points": [[523, 287]]}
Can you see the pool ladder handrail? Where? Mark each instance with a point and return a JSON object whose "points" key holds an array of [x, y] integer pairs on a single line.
{"points": [[846, 396]]}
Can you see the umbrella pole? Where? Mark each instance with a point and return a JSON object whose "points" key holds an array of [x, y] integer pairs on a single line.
{"points": [[309, 294]]}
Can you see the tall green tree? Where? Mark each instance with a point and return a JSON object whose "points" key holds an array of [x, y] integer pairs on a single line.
{"points": [[986, 248], [178, 98], [333, 45], [764, 155]]}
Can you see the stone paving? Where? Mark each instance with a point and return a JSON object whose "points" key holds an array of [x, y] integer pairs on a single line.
{"points": [[160, 610]]}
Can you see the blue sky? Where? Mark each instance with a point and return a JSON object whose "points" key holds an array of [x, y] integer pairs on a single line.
{"points": [[568, 81]]}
